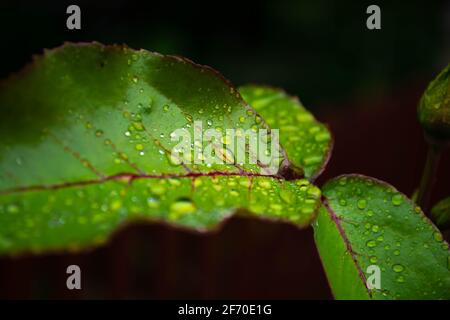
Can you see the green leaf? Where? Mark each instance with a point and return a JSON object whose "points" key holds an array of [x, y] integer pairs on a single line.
{"points": [[434, 107], [367, 222], [440, 213], [86, 145], [308, 143]]}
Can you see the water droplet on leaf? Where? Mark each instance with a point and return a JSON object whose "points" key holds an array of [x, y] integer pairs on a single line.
{"points": [[397, 200], [398, 268], [362, 203]]}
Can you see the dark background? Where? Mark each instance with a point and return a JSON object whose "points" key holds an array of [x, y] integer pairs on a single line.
{"points": [[365, 84]]}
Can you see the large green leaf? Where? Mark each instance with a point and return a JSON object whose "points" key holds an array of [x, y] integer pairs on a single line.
{"points": [[86, 145], [367, 222], [308, 143]]}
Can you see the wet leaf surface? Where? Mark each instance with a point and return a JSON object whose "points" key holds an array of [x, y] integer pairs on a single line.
{"points": [[308, 143], [367, 222], [86, 144]]}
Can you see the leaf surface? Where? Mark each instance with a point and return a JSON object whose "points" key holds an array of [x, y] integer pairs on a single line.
{"points": [[86, 144], [367, 222]]}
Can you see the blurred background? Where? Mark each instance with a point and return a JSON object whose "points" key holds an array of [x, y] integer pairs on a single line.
{"points": [[364, 83]]}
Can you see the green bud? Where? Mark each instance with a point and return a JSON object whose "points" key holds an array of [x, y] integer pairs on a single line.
{"points": [[434, 108], [441, 214]]}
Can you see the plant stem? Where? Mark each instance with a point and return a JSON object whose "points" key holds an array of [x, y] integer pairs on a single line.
{"points": [[429, 176]]}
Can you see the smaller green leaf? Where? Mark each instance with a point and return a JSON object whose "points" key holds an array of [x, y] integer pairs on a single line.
{"points": [[366, 223], [434, 107], [441, 213], [308, 143]]}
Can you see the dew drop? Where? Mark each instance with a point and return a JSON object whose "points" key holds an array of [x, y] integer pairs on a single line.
{"points": [[174, 182], [276, 207], [313, 192], [234, 193], [264, 184], [115, 205], [437, 236], [123, 156], [302, 182], [287, 196], [322, 136], [371, 243], [12, 208], [138, 126], [147, 109], [362, 203], [397, 200], [231, 182], [312, 160], [400, 279], [157, 189], [182, 207], [152, 202]]}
